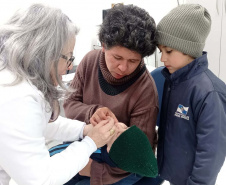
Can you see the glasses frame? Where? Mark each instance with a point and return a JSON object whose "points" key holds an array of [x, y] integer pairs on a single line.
{"points": [[69, 61]]}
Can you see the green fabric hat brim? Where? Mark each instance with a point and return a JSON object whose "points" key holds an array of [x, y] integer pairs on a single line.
{"points": [[132, 152]]}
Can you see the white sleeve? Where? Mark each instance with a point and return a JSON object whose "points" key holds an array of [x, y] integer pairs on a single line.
{"points": [[24, 156], [64, 129]]}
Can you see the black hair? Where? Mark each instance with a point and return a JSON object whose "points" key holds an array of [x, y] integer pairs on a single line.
{"points": [[131, 27]]}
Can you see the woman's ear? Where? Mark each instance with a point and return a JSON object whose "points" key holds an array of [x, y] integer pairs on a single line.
{"points": [[103, 49]]}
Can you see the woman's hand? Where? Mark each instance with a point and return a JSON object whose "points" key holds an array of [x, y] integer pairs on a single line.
{"points": [[87, 129], [120, 128], [102, 114], [102, 132]]}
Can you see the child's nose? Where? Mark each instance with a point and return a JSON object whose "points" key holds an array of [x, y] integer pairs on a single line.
{"points": [[163, 58]]}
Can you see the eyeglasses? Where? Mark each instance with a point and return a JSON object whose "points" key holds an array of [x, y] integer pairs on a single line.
{"points": [[69, 61]]}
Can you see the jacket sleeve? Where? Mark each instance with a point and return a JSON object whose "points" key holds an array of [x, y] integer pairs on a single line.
{"points": [[211, 140], [74, 107]]}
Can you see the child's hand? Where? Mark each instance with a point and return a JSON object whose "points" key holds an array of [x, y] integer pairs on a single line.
{"points": [[102, 114]]}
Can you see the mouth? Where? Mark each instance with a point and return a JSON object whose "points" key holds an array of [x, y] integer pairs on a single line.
{"points": [[118, 76], [168, 67]]}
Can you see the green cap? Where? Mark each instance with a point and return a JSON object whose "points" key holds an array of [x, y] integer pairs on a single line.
{"points": [[132, 152]]}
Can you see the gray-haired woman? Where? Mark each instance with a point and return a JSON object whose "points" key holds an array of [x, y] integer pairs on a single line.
{"points": [[36, 48]]}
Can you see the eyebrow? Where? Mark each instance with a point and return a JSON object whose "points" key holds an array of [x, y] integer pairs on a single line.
{"points": [[134, 59], [69, 53], [129, 59], [164, 46]]}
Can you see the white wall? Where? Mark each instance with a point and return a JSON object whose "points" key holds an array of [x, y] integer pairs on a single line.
{"points": [[87, 15]]}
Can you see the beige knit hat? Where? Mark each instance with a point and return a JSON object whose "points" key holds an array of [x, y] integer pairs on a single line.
{"points": [[185, 28]]}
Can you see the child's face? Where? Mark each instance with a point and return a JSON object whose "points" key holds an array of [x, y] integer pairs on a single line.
{"points": [[174, 59]]}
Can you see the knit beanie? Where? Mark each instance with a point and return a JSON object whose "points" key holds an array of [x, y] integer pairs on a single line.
{"points": [[185, 28], [133, 153]]}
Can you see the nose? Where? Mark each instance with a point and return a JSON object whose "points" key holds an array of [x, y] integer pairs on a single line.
{"points": [[163, 58], [123, 66]]}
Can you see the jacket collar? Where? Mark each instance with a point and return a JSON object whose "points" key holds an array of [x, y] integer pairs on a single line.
{"points": [[197, 66]]}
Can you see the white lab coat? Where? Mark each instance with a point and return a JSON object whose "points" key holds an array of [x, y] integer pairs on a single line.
{"points": [[24, 129]]}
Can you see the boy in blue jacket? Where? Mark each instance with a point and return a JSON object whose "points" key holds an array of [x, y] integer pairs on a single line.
{"points": [[192, 131]]}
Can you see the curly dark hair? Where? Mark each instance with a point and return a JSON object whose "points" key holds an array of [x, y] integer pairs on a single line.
{"points": [[131, 27]]}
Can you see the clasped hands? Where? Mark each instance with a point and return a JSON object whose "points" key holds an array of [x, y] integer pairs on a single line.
{"points": [[105, 113], [104, 129]]}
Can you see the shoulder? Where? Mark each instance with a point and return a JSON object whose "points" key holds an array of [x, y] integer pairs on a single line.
{"points": [[145, 88], [22, 90], [92, 55], [207, 82], [148, 81], [145, 81], [204, 89], [215, 83], [22, 107]]}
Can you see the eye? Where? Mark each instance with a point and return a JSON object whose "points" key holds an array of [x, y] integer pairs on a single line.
{"points": [[169, 51], [117, 58], [71, 58], [133, 61]]}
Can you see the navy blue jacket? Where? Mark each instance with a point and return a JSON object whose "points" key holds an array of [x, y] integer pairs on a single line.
{"points": [[192, 131]]}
